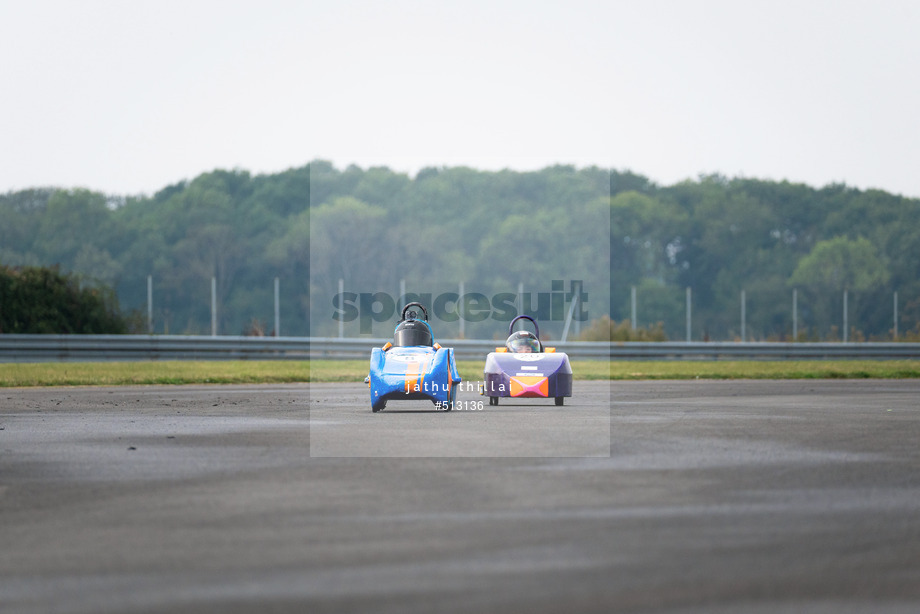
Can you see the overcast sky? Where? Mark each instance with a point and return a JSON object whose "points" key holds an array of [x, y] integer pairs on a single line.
{"points": [[127, 97]]}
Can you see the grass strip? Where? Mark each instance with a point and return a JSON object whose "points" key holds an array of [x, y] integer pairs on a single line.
{"points": [[274, 372], [757, 369], [153, 372]]}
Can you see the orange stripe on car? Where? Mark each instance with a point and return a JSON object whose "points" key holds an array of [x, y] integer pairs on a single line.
{"points": [[413, 371]]}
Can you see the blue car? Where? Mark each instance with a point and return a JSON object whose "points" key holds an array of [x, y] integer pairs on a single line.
{"points": [[413, 366]]}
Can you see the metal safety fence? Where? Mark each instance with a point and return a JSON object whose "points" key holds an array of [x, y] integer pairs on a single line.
{"points": [[50, 348]]}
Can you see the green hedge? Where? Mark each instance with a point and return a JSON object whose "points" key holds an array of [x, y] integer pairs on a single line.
{"points": [[41, 300]]}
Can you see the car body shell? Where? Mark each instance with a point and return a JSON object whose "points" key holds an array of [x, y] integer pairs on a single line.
{"points": [[408, 372], [415, 372], [527, 375], [536, 374]]}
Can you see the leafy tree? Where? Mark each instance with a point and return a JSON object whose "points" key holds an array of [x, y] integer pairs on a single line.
{"points": [[345, 243], [72, 220], [840, 264], [21, 214], [645, 238], [836, 265], [35, 300]]}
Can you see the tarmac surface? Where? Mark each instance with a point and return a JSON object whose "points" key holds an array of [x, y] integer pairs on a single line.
{"points": [[695, 496]]}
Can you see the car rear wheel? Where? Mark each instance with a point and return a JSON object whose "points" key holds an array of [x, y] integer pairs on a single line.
{"points": [[560, 400], [452, 396]]}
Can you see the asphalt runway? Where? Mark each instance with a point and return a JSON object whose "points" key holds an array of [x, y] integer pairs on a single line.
{"points": [[699, 496]]}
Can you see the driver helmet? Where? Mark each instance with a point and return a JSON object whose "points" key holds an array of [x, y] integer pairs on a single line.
{"points": [[412, 332], [522, 342]]}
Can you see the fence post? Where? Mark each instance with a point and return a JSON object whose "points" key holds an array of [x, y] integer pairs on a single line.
{"points": [[341, 320], [576, 301], [150, 304], [213, 306], [688, 313], [743, 317], [277, 307], [845, 317], [633, 320], [795, 314], [461, 311], [895, 315]]}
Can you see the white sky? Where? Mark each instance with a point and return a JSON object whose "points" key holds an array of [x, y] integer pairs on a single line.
{"points": [[127, 97]]}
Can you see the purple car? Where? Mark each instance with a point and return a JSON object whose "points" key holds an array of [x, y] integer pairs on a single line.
{"points": [[524, 368]]}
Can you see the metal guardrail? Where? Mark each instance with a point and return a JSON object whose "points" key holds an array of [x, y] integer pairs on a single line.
{"points": [[464, 349], [765, 351], [50, 348]]}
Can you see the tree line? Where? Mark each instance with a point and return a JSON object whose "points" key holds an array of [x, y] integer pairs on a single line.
{"points": [[492, 231], [719, 236]]}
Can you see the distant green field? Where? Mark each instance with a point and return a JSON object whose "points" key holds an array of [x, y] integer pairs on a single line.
{"points": [[273, 372]]}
